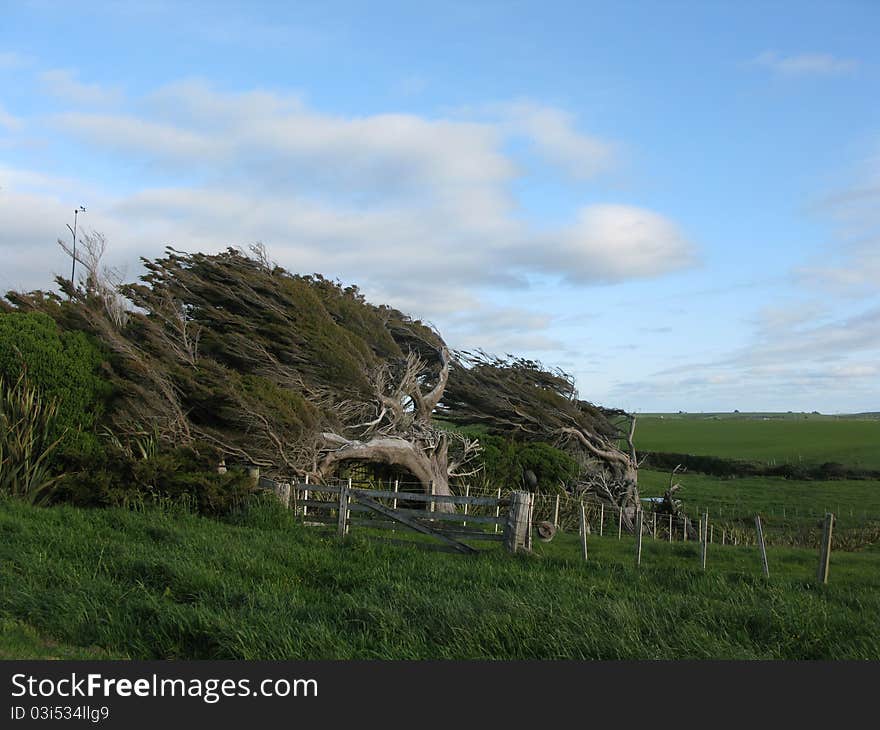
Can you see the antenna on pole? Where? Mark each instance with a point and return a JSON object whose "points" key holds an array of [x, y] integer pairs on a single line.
{"points": [[76, 212]]}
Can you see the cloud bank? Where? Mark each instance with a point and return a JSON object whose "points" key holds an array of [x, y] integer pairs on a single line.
{"points": [[417, 210]]}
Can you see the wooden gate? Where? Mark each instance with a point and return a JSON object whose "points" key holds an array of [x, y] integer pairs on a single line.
{"points": [[477, 518]]}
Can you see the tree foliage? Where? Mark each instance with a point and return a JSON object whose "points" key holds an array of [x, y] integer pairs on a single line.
{"points": [[235, 358], [232, 351], [521, 399]]}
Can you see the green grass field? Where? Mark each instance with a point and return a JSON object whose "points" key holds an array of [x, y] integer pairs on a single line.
{"points": [[145, 585], [768, 495], [854, 442]]}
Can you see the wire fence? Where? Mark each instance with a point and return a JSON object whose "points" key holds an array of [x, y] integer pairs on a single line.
{"points": [[728, 524]]}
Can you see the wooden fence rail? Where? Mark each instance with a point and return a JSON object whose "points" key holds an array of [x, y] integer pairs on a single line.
{"points": [[347, 506]]}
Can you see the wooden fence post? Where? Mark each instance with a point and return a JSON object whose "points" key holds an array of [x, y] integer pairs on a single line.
{"points": [[704, 539], [306, 497], [394, 501], [601, 519], [583, 532], [761, 546], [638, 537], [517, 528], [282, 491], [342, 522], [825, 550], [529, 521]]}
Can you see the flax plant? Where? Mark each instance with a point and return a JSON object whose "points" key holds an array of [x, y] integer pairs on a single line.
{"points": [[27, 425]]}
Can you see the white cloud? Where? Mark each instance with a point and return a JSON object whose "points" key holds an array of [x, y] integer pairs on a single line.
{"points": [[389, 194], [616, 242], [64, 84], [418, 211], [553, 133], [800, 357], [806, 64], [850, 264], [129, 134]]}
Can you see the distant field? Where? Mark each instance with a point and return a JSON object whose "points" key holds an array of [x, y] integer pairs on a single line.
{"points": [[769, 438], [768, 495]]}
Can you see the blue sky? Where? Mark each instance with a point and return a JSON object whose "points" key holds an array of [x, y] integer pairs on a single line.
{"points": [[679, 203]]}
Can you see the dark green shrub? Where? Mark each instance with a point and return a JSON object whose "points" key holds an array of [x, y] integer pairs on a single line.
{"points": [[554, 468], [63, 366], [181, 477], [505, 461]]}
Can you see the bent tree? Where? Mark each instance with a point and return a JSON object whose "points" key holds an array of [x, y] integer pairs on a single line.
{"points": [[519, 398], [297, 374], [402, 433]]}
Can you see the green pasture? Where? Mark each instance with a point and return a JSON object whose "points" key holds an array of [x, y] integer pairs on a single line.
{"points": [[771, 496], [772, 439]]}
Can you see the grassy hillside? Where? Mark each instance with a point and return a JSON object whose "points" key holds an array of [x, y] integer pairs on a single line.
{"points": [[157, 585], [793, 438]]}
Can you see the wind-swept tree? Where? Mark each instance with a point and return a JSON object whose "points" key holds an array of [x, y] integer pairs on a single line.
{"points": [[293, 373], [521, 399]]}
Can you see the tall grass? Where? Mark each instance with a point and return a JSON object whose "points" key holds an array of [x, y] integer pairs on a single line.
{"points": [[156, 584], [27, 422]]}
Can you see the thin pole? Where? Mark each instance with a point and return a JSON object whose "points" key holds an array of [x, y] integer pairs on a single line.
{"points": [[670, 528], [761, 546], [556, 513], [343, 510], [73, 263], [467, 493], [619, 521], [704, 546], [583, 532], [825, 551], [654, 529], [601, 519], [306, 497], [638, 537], [498, 510], [394, 500]]}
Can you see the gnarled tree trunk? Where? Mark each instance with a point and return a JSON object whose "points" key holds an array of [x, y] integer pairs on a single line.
{"points": [[402, 433]]}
